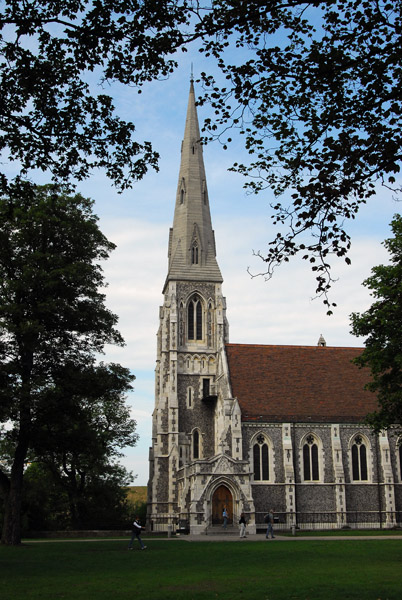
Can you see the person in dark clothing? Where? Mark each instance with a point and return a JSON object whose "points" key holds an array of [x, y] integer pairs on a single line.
{"points": [[136, 533]]}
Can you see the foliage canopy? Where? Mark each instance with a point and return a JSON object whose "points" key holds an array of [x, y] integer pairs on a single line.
{"points": [[51, 116], [381, 324], [60, 407], [312, 86], [318, 101]]}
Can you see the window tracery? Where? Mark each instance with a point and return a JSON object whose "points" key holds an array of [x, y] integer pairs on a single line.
{"points": [[194, 319], [311, 466], [194, 254], [359, 459], [261, 459]]}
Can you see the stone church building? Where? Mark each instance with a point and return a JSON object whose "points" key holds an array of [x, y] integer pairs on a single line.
{"points": [[252, 427]]}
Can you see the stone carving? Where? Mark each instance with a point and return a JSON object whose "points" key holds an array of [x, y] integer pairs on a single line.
{"points": [[222, 466]]}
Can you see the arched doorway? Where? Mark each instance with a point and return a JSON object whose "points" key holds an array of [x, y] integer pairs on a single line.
{"points": [[222, 497]]}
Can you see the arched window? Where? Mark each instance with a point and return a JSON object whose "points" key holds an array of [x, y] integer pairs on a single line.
{"points": [[190, 329], [359, 459], [261, 459], [194, 254], [196, 445], [311, 470], [194, 319]]}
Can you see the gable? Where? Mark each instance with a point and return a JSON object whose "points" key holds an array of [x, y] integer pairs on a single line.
{"points": [[299, 383]]}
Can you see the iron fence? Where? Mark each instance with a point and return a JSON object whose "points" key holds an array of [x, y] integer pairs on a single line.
{"points": [[307, 521], [333, 520], [171, 523], [166, 523]]}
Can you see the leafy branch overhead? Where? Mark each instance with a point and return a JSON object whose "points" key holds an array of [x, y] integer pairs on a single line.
{"points": [[313, 87], [318, 102], [50, 118]]}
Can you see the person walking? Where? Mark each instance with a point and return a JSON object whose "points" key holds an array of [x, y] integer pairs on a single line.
{"points": [[269, 519], [242, 523], [136, 533]]}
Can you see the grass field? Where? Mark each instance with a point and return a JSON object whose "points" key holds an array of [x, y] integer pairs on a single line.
{"points": [[346, 533], [176, 569]]}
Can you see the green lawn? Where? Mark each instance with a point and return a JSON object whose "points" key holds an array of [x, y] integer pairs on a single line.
{"points": [[345, 533], [176, 569]]}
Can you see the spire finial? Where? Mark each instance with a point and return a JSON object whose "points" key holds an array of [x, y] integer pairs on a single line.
{"points": [[192, 74]]}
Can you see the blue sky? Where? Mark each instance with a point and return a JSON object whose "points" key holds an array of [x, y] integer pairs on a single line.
{"points": [[280, 311]]}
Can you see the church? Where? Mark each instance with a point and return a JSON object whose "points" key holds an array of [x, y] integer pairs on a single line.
{"points": [[253, 427]]}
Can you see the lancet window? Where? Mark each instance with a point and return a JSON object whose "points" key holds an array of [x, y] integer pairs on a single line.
{"points": [[311, 468], [194, 319], [359, 459], [190, 395], [196, 444], [194, 254], [261, 459]]}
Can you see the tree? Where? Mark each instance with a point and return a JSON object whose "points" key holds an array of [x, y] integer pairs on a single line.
{"points": [[381, 324], [85, 423], [52, 322], [50, 118], [314, 88], [46, 503]]}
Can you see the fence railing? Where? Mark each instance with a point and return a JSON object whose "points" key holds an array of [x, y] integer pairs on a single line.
{"points": [[333, 520], [172, 523], [166, 523]]}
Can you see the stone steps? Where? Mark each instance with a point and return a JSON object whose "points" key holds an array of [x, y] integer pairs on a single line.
{"points": [[219, 530]]}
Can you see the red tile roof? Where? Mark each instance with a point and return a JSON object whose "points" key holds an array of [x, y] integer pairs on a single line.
{"points": [[299, 383]]}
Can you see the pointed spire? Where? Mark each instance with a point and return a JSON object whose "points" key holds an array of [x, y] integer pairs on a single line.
{"points": [[192, 254]]}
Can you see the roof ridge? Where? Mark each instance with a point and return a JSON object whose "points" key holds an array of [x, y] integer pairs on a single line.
{"points": [[321, 348]]}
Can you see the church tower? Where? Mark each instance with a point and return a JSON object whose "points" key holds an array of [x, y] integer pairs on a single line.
{"points": [[196, 423], [246, 427]]}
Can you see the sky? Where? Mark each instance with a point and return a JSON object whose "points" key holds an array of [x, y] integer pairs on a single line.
{"points": [[280, 311]]}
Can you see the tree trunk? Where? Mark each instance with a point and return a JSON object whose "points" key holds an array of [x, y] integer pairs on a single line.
{"points": [[11, 534]]}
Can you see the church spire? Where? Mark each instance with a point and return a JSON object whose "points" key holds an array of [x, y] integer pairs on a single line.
{"points": [[192, 254]]}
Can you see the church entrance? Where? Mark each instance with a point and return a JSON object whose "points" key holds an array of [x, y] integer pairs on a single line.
{"points": [[222, 497]]}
